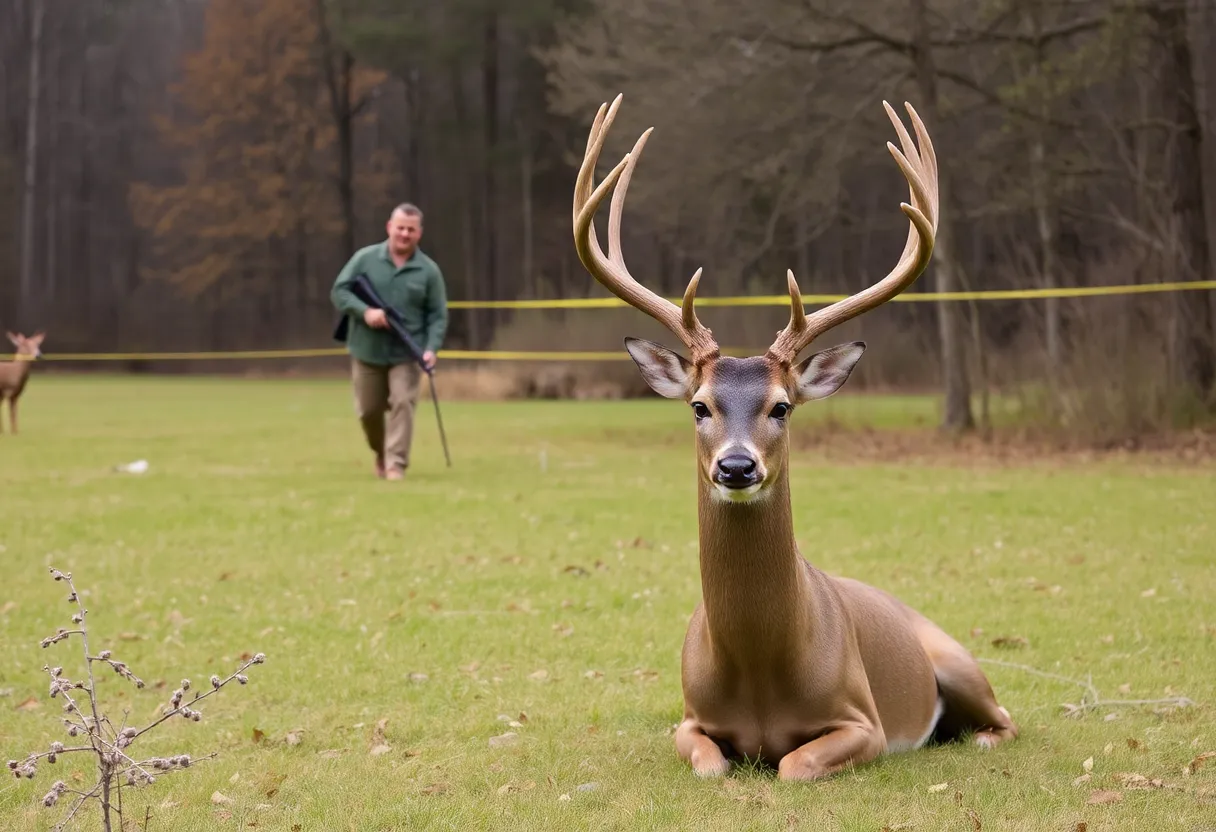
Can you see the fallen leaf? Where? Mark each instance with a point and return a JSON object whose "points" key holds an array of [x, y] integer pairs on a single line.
{"points": [[539, 675], [293, 737], [593, 674], [1082, 826], [976, 632], [1131, 780], [1133, 743], [331, 753], [258, 735], [1197, 763], [8, 607], [1149, 593], [435, 788], [939, 787], [31, 704], [1104, 796], [1088, 765], [523, 716], [1010, 641], [1107, 639], [220, 799], [236, 775], [576, 571], [1108, 748], [418, 678], [975, 820], [1082, 780], [564, 798], [1125, 688], [223, 815]]}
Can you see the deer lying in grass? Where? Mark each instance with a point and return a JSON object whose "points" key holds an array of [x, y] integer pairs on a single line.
{"points": [[14, 374], [783, 663]]}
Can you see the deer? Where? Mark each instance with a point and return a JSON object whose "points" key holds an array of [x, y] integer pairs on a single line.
{"points": [[782, 663], [15, 374]]}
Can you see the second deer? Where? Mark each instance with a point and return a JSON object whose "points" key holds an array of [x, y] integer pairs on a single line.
{"points": [[783, 663], [15, 374]]}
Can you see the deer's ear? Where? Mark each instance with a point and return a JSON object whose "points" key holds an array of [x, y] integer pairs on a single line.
{"points": [[13, 338], [666, 372], [38, 337], [825, 372]]}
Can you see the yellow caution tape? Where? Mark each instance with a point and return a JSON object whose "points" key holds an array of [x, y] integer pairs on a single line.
{"points": [[620, 355], [906, 297]]}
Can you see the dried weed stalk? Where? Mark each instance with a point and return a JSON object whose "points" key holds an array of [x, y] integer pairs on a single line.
{"points": [[91, 731]]}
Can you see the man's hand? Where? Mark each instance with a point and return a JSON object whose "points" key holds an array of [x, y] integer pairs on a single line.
{"points": [[428, 358], [375, 318]]}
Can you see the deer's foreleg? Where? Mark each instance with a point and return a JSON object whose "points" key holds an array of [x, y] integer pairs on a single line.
{"points": [[827, 754], [700, 750]]}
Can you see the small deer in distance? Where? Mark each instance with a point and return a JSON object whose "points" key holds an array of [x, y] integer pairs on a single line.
{"points": [[15, 374], [782, 663]]}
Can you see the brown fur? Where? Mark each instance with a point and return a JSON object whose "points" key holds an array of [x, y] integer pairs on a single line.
{"points": [[15, 374], [781, 662]]}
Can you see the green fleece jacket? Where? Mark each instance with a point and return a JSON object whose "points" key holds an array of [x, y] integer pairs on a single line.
{"points": [[416, 290]]}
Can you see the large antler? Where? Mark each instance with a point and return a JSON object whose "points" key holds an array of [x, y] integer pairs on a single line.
{"points": [[611, 271], [920, 168]]}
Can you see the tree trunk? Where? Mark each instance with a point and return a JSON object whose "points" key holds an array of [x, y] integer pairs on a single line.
{"points": [[346, 153], [956, 414], [489, 79], [339, 72], [1042, 198], [526, 204], [468, 224], [1192, 343], [25, 301]]}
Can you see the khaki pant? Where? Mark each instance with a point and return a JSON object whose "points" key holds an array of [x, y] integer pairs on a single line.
{"points": [[392, 390]]}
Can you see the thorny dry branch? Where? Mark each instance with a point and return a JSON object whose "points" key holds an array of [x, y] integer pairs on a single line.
{"points": [[111, 745]]}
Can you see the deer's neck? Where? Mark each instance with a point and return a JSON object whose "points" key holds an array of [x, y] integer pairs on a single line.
{"points": [[754, 584], [14, 373]]}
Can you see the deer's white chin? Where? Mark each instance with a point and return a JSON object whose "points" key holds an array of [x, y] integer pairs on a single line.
{"points": [[739, 495]]}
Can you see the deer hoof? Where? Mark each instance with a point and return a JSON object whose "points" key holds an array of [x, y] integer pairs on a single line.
{"points": [[710, 768]]}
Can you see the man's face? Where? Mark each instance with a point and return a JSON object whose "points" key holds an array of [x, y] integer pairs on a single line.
{"points": [[404, 232]]}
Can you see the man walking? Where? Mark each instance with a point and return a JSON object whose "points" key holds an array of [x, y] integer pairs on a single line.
{"points": [[385, 376]]}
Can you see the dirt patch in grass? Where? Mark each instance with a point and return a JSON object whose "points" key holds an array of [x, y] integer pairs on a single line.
{"points": [[841, 443]]}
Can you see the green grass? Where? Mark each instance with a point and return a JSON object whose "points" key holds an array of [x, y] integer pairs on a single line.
{"points": [[551, 572]]}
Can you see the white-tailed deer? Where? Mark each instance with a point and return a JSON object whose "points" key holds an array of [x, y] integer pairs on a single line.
{"points": [[14, 374], [783, 663]]}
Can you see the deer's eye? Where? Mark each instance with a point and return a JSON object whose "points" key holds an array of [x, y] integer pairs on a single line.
{"points": [[700, 411], [780, 410]]}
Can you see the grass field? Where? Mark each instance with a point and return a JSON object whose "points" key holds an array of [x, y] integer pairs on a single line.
{"points": [[546, 580]]}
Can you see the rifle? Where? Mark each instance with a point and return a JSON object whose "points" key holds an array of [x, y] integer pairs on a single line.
{"points": [[363, 289]]}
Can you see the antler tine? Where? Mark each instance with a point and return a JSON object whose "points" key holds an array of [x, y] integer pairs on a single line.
{"points": [[919, 166], [611, 271]]}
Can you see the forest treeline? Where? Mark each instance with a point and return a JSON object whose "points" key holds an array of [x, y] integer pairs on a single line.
{"points": [[191, 174]]}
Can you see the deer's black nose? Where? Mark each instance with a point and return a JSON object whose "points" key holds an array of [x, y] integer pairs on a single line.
{"points": [[736, 471]]}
